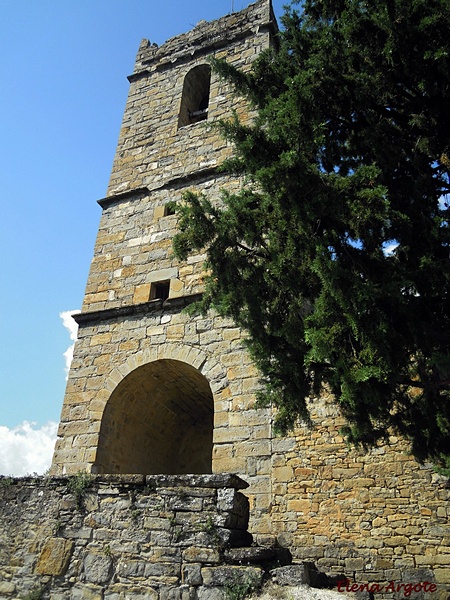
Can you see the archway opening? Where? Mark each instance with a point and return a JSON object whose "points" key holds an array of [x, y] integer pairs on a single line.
{"points": [[159, 419], [195, 97]]}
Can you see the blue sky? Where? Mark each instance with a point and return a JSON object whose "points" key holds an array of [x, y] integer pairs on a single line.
{"points": [[63, 67]]}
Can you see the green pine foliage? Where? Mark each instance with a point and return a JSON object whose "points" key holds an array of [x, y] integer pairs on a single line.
{"points": [[335, 255]]}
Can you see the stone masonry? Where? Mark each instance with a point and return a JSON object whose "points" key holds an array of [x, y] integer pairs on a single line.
{"points": [[376, 517], [151, 388], [123, 536], [154, 390]]}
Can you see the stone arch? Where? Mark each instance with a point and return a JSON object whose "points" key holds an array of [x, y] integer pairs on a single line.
{"points": [[206, 364], [195, 96], [158, 419]]}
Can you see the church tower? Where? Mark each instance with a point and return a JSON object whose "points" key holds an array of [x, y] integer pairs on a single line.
{"points": [[152, 389]]}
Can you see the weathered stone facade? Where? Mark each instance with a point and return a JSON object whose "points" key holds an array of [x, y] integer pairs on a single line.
{"points": [[150, 387], [118, 537], [155, 390], [376, 517]]}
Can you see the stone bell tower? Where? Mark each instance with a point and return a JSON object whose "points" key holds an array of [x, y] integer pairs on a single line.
{"points": [[152, 389]]}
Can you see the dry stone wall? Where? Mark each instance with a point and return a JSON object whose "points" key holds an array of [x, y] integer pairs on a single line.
{"points": [[119, 537]]}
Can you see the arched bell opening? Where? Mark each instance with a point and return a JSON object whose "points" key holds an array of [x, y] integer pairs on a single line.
{"points": [[158, 420], [195, 97]]}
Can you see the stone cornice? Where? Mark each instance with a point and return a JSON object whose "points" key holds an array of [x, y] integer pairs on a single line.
{"points": [[114, 314], [105, 202], [199, 175]]}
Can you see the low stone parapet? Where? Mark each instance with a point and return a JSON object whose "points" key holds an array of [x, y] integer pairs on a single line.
{"points": [[123, 536]]}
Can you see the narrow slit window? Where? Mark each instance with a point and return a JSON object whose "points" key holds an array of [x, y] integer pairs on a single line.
{"points": [[160, 290], [195, 97]]}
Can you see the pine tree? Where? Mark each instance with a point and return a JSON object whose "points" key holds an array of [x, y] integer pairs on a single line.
{"points": [[335, 255]]}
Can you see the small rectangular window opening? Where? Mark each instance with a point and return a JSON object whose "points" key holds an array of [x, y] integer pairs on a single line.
{"points": [[169, 209], [160, 290]]}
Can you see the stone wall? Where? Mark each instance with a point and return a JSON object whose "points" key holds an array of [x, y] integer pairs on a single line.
{"points": [[134, 246], [377, 516], [122, 537], [115, 352]]}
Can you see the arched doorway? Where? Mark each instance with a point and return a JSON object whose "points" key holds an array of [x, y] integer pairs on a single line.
{"points": [[159, 419]]}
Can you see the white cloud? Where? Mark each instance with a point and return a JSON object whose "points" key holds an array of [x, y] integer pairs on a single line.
{"points": [[390, 248], [25, 450], [72, 327]]}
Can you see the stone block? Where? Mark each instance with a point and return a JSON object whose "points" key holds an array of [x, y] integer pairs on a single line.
{"points": [[121, 592], [100, 339], [185, 503], [131, 568], [175, 332], [213, 481], [302, 506], [382, 563], [228, 500], [162, 569], [191, 574], [345, 473], [232, 334], [82, 591], [201, 555], [141, 293], [55, 557], [283, 474], [176, 592], [162, 274], [98, 567], [229, 575], [231, 434], [176, 288], [250, 384], [416, 575], [358, 482], [396, 541], [157, 523], [158, 212], [210, 593], [291, 575], [6, 587], [354, 564], [442, 575], [227, 463]]}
